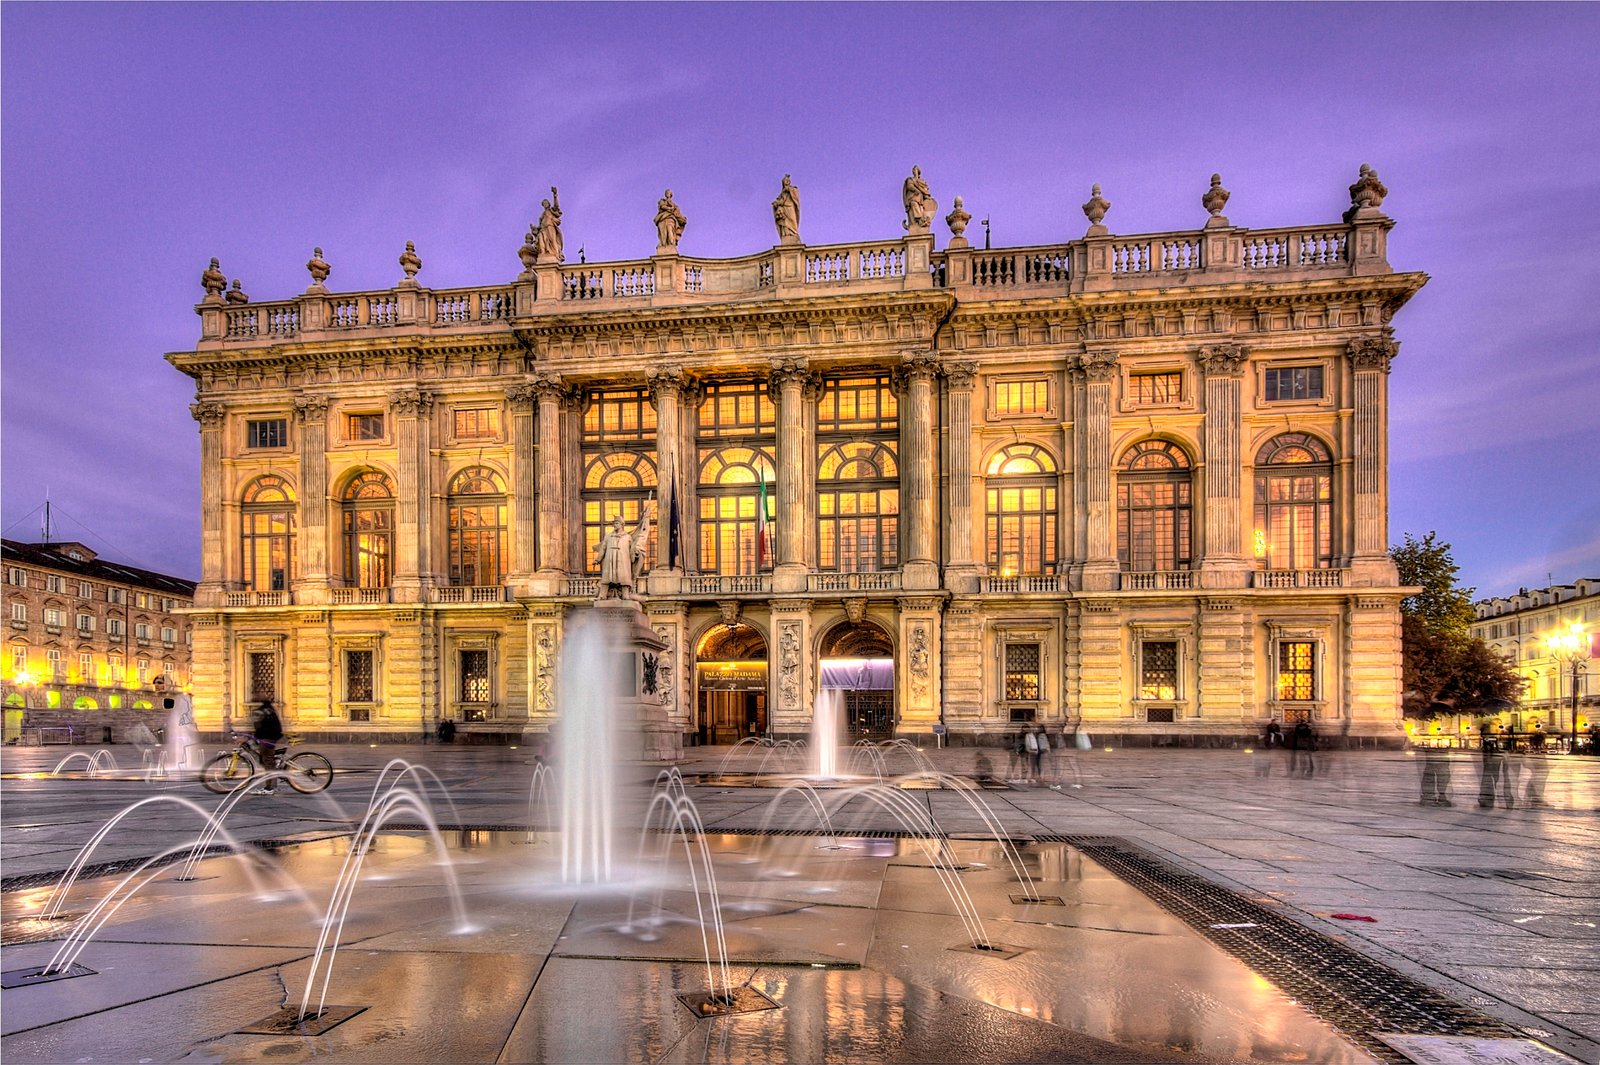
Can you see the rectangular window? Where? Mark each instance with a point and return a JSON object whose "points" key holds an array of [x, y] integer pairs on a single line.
{"points": [[19, 612], [169, 635], [85, 622], [1012, 398], [1154, 389], [1022, 672], [141, 631], [1297, 670], [115, 626], [144, 672], [19, 659], [86, 668], [114, 669], [17, 578], [85, 590], [358, 676], [475, 684], [168, 604], [117, 595], [54, 583], [1293, 383], [53, 658], [477, 423], [267, 432], [1158, 669], [143, 600], [363, 426], [263, 666], [52, 618]]}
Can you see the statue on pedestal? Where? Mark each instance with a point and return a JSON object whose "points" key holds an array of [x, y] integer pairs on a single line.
{"points": [[919, 202], [670, 222], [547, 233], [622, 557], [786, 213]]}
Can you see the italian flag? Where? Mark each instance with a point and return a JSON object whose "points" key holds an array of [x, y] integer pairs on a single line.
{"points": [[763, 541]]}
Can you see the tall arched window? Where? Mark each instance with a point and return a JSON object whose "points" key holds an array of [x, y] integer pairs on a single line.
{"points": [[858, 474], [266, 535], [477, 524], [730, 494], [1294, 503], [368, 506], [615, 483], [1021, 523], [1154, 527]]}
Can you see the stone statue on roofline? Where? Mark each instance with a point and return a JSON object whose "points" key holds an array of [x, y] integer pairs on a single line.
{"points": [[547, 232], [670, 223], [786, 213], [919, 202]]}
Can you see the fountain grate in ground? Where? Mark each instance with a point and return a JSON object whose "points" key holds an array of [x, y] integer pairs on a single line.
{"points": [[1360, 996], [741, 999], [288, 1021], [37, 975]]}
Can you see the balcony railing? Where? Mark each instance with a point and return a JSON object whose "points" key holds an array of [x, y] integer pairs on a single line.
{"points": [[259, 598], [470, 593], [362, 596], [875, 581], [1158, 581], [1299, 578], [1047, 582], [719, 584]]}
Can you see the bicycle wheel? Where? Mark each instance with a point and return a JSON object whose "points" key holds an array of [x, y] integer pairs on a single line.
{"points": [[308, 772], [227, 770]]}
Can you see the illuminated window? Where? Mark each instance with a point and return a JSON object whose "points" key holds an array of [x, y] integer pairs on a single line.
{"points": [[1014, 398], [19, 658], [142, 601], [368, 512], [86, 667], [267, 522], [729, 493], [1021, 521], [1297, 670], [1154, 482], [619, 416], [364, 426], [53, 661], [144, 671], [1022, 672], [358, 679], [266, 432], [477, 423], [475, 689], [1294, 503], [1155, 389], [616, 484], [262, 676], [1292, 383], [1158, 669], [477, 527], [858, 475], [53, 618]]}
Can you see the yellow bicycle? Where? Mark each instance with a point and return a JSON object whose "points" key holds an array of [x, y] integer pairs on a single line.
{"points": [[305, 771]]}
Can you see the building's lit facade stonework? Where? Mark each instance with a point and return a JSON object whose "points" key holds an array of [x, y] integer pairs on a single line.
{"points": [[1137, 481], [1552, 637]]}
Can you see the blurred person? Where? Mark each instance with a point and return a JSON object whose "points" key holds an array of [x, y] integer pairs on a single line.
{"points": [[267, 731], [1436, 777], [1493, 780]]}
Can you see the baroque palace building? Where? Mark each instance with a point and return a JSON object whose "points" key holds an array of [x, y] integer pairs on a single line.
{"points": [[1137, 481]]}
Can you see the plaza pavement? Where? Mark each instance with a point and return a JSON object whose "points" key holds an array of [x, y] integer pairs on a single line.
{"points": [[1496, 908]]}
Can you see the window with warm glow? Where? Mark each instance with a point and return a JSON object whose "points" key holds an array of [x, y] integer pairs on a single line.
{"points": [[1022, 672], [358, 679], [1158, 669], [1294, 503], [477, 423], [1018, 398], [266, 532], [1154, 517], [1297, 675], [729, 493], [368, 514], [1155, 389], [1021, 512], [476, 524], [858, 475]]}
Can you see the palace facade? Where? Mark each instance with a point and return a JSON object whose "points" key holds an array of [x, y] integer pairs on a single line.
{"points": [[1137, 481]]}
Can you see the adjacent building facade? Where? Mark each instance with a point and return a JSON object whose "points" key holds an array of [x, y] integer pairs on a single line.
{"points": [[1552, 636], [1137, 481], [85, 638]]}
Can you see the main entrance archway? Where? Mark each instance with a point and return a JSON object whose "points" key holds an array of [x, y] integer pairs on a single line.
{"points": [[858, 659], [730, 684]]}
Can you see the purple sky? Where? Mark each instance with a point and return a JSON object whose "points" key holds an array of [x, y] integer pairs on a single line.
{"points": [[140, 140]]}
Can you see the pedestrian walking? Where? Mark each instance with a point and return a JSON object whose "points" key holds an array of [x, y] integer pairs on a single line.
{"points": [[1436, 777], [1302, 747], [1493, 781]]}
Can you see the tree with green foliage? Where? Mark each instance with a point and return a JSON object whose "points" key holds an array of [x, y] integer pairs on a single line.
{"points": [[1445, 670]]}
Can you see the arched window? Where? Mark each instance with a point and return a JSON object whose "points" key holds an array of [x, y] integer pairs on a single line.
{"points": [[858, 507], [477, 527], [266, 534], [732, 484], [1294, 503], [1021, 522], [615, 483], [1154, 520], [369, 530]]}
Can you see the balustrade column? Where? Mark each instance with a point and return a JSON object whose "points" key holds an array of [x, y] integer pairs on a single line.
{"points": [[667, 385], [1370, 359], [959, 378], [311, 538], [551, 494], [524, 476], [919, 569], [1098, 370], [412, 410], [1222, 370], [213, 419], [788, 380]]}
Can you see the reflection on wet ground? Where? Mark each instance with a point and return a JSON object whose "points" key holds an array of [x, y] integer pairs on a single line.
{"points": [[860, 942]]}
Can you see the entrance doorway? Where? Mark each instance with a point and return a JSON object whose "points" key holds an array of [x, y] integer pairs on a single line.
{"points": [[731, 685], [858, 660]]}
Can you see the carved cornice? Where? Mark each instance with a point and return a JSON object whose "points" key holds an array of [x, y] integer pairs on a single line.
{"points": [[1372, 353], [209, 413], [311, 409], [1222, 360], [411, 402]]}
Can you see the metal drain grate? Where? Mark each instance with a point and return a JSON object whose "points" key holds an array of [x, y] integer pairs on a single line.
{"points": [[1359, 996], [1493, 874]]}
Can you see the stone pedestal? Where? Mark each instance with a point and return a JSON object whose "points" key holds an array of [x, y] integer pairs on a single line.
{"points": [[638, 696]]}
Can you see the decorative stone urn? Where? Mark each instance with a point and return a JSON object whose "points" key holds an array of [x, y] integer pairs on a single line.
{"points": [[410, 262], [1095, 210], [318, 268], [1366, 195], [214, 282], [1216, 197]]}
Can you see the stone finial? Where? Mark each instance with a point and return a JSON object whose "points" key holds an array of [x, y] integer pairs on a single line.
{"points": [[1366, 194], [670, 222], [319, 269], [529, 252], [957, 220], [918, 201], [214, 282], [410, 262], [1095, 210], [236, 294], [1216, 197]]}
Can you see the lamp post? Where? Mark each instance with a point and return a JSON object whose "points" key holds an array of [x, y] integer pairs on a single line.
{"points": [[1570, 648]]}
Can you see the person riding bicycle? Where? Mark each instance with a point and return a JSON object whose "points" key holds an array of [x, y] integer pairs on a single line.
{"points": [[268, 734]]}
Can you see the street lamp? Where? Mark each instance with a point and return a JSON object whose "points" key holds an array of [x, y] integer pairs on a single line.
{"points": [[1570, 648]]}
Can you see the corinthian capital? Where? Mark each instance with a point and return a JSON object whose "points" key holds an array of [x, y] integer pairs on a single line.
{"points": [[786, 371], [1097, 365], [918, 365], [1372, 353], [209, 413], [411, 402], [521, 397], [547, 385], [1221, 360], [311, 409], [666, 381], [960, 375]]}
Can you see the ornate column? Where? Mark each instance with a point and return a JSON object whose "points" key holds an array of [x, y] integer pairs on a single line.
{"points": [[1222, 558], [524, 475], [312, 536], [787, 382], [960, 566], [1370, 358], [666, 384], [551, 499], [213, 419], [919, 569], [571, 503], [1099, 369], [412, 408]]}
